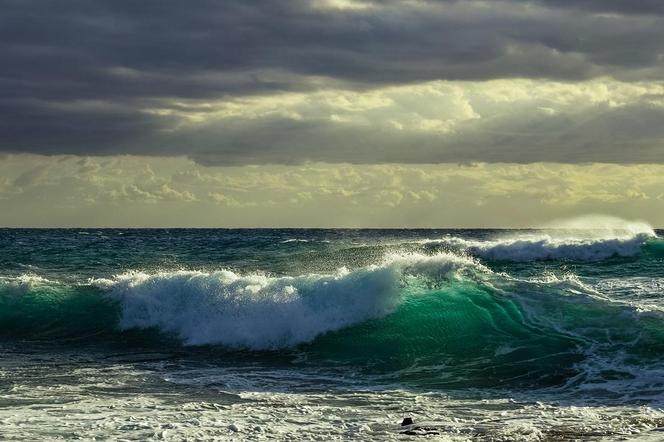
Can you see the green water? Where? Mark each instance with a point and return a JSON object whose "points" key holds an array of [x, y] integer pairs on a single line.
{"points": [[233, 316]]}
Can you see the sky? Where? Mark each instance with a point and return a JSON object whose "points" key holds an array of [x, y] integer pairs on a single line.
{"points": [[330, 113]]}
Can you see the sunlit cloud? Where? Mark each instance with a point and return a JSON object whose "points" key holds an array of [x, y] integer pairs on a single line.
{"points": [[129, 191]]}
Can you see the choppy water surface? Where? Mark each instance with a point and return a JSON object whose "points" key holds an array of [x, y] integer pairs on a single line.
{"points": [[554, 334]]}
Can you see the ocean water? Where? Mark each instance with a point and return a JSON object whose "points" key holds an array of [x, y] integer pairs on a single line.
{"points": [[171, 334]]}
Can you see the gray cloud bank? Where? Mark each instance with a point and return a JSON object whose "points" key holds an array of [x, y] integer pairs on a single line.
{"points": [[97, 77]]}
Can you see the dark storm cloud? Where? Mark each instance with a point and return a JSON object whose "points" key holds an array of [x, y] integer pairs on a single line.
{"points": [[76, 74], [43, 127]]}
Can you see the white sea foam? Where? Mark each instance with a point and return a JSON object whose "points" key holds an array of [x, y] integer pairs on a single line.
{"points": [[263, 312], [22, 284], [640, 293], [584, 239]]}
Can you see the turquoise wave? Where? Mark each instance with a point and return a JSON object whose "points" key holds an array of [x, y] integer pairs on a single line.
{"points": [[435, 320], [40, 309], [654, 247]]}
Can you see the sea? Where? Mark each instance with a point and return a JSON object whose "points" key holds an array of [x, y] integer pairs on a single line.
{"points": [[550, 334]]}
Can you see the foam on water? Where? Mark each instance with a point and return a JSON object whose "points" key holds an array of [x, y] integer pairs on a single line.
{"points": [[582, 239], [252, 311], [103, 404], [262, 312], [22, 284]]}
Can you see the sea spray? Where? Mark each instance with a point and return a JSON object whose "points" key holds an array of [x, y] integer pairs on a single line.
{"points": [[254, 311], [600, 226], [581, 239], [262, 312]]}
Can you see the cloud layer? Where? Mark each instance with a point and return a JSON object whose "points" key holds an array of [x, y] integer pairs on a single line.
{"points": [[134, 191], [278, 81]]}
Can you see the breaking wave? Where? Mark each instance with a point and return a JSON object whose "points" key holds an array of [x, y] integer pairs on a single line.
{"points": [[265, 312], [582, 239], [255, 311]]}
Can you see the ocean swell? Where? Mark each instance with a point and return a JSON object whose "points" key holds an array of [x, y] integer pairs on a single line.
{"points": [[439, 320]]}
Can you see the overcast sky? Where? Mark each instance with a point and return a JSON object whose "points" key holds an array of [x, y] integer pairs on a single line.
{"points": [[198, 112]]}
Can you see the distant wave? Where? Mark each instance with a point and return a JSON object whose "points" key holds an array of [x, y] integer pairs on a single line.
{"points": [[545, 247], [585, 239]]}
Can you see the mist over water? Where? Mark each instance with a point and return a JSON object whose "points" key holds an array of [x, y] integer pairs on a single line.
{"points": [[465, 328], [600, 226]]}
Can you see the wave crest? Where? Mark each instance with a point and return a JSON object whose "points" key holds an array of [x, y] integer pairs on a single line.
{"points": [[264, 312], [588, 238], [22, 284], [540, 247]]}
